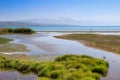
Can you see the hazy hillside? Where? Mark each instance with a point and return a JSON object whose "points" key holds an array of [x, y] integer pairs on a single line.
{"points": [[17, 23], [51, 21], [31, 23]]}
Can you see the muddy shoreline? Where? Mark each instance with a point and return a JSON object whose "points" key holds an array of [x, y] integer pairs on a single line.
{"points": [[104, 42], [63, 46]]}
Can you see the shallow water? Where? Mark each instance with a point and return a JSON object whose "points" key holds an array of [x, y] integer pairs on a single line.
{"points": [[45, 43], [14, 75]]}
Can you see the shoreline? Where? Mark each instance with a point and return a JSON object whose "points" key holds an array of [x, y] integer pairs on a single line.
{"points": [[82, 41], [87, 45], [106, 46], [112, 70], [82, 31]]}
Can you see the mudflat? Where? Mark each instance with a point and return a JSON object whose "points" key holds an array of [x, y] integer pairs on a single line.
{"points": [[106, 42]]}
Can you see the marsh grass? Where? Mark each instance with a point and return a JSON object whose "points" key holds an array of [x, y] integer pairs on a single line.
{"points": [[16, 30], [105, 42], [4, 40], [67, 67], [5, 46], [18, 57], [11, 47]]}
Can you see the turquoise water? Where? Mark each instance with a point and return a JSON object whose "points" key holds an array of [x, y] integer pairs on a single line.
{"points": [[69, 28]]}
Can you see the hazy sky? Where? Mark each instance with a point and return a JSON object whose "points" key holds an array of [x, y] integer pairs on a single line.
{"points": [[86, 11]]}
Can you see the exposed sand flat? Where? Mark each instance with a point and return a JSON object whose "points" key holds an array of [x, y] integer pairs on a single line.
{"points": [[110, 34], [80, 32]]}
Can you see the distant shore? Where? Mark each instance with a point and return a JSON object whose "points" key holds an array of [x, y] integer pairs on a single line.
{"points": [[82, 31]]}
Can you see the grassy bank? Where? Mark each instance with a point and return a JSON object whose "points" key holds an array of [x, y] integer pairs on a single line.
{"points": [[105, 42], [67, 67], [16, 30], [5, 46], [4, 40], [37, 58], [12, 47]]}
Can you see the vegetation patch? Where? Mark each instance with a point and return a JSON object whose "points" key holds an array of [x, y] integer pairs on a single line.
{"points": [[67, 67], [105, 42], [16, 30], [19, 57], [4, 40], [11, 47], [36, 58], [6, 46]]}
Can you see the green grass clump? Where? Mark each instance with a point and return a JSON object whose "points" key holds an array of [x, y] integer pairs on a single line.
{"points": [[4, 40], [67, 67], [23, 30], [16, 30]]}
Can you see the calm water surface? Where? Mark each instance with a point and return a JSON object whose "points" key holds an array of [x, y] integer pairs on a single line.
{"points": [[45, 43], [68, 28], [14, 75]]}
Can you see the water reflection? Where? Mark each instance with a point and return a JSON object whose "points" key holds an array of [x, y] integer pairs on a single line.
{"points": [[14, 75]]}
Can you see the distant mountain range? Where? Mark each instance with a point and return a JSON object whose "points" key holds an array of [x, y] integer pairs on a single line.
{"points": [[60, 21], [50, 22], [16, 23], [39, 22]]}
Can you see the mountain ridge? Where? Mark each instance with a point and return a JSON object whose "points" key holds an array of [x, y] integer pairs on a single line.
{"points": [[23, 23]]}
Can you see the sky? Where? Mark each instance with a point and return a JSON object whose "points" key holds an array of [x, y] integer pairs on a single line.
{"points": [[94, 12]]}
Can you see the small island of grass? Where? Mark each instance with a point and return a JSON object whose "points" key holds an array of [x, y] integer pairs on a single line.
{"points": [[67, 67], [4, 40], [6, 46], [16, 31]]}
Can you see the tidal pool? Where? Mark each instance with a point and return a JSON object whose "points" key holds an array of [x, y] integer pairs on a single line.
{"points": [[45, 43]]}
